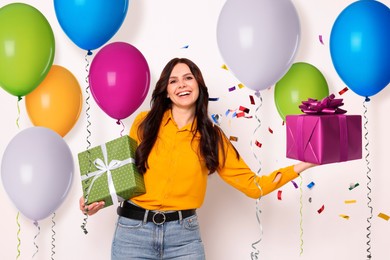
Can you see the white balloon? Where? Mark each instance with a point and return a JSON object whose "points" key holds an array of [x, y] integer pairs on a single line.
{"points": [[258, 40], [37, 171]]}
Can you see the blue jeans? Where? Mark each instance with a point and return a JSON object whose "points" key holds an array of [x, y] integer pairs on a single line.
{"points": [[139, 240]]}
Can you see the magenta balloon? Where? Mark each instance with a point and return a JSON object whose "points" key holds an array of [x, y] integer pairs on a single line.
{"points": [[119, 79]]}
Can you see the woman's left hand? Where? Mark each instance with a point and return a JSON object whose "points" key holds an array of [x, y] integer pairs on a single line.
{"points": [[92, 208]]}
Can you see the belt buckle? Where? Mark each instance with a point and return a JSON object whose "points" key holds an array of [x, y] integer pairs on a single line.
{"points": [[156, 214]]}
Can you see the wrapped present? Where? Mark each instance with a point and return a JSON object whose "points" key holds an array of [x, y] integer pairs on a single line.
{"points": [[324, 134], [108, 172]]}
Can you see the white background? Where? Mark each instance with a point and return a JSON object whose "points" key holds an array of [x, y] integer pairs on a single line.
{"points": [[159, 29]]}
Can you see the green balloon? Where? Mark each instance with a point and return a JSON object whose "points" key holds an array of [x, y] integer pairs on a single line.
{"points": [[302, 81], [26, 48]]}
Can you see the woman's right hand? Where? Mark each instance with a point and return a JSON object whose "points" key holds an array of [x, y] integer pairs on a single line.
{"points": [[92, 208], [302, 166]]}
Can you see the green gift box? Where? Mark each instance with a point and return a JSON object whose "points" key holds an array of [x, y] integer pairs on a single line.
{"points": [[108, 172]]}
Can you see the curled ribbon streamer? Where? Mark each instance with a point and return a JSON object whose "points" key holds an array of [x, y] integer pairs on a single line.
{"points": [[368, 182], [120, 122], [17, 235], [35, 237], [88, 107], [255, 252], [300, 214], [328, 105], [87, 103], [53, 235], [17, 105], [106, 167]]}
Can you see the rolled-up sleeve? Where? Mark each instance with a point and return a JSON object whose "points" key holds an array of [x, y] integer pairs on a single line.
{"points": [[237, 174]]}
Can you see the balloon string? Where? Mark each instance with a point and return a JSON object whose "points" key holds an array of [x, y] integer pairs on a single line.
{"points": [[88, 107], [17, 105], [53, 235], [257, 128], [300, 213], [87, 102], [123, 126], [368, 181], [35, 237], [17, 235], [255, 252]]}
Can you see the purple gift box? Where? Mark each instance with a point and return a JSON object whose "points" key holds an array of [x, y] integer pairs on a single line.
{"points": [[324, 137]]}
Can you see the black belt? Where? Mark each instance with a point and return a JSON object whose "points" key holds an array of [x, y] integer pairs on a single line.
{"points": [[131, 211]]}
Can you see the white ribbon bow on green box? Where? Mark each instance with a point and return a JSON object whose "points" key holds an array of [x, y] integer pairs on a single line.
{"points": [[113, 159], [103, 168]]}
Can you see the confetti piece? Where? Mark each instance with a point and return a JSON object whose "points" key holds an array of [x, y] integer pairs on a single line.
{"points": [[349, 201], [321, 209], [240, 114], [185, 47], [320, 38], [244, 109], [344, 216], [270, 130], [282, 122], [384, 216], [232, 88], [241, 85], [295, 184], [343, 90], [352, 186], [279, 195], [214, 99], [216, 118], [233, 138], [310, 185], [252, 99], [224, 67], [310, 199], [258, 144]]}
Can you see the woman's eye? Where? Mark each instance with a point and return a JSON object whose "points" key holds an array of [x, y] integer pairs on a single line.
{"points": [[172, 81]]}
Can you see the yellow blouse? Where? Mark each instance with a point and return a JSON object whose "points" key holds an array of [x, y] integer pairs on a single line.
{"points": [[177, 178]]}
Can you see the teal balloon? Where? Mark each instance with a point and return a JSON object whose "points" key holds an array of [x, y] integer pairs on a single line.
{"points": [[27, 48], [360, 46], [90, 23], [302, 81]]}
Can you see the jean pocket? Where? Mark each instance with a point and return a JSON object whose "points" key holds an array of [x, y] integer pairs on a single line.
{"points": [[191, 223], [129, 223]]}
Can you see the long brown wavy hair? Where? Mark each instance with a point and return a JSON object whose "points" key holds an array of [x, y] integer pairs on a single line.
{"points": [[211, 136]]}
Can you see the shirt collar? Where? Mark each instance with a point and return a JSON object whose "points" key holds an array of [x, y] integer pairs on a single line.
{"points": [[168, 117]]}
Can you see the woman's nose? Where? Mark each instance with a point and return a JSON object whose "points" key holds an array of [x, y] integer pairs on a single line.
{"points": [[182, 84]]}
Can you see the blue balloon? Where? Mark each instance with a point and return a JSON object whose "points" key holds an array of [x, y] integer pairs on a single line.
{"points": [[359, 46], [90, 23]]}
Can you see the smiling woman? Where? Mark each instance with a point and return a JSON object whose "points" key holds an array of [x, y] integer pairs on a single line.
{"points": [[183, 91], [178, 148]]}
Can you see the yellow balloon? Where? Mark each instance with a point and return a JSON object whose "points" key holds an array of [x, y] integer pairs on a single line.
{"points": [[56, 103]]}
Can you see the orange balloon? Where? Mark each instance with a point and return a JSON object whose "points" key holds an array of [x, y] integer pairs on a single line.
{"points": [[56, 103]]}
